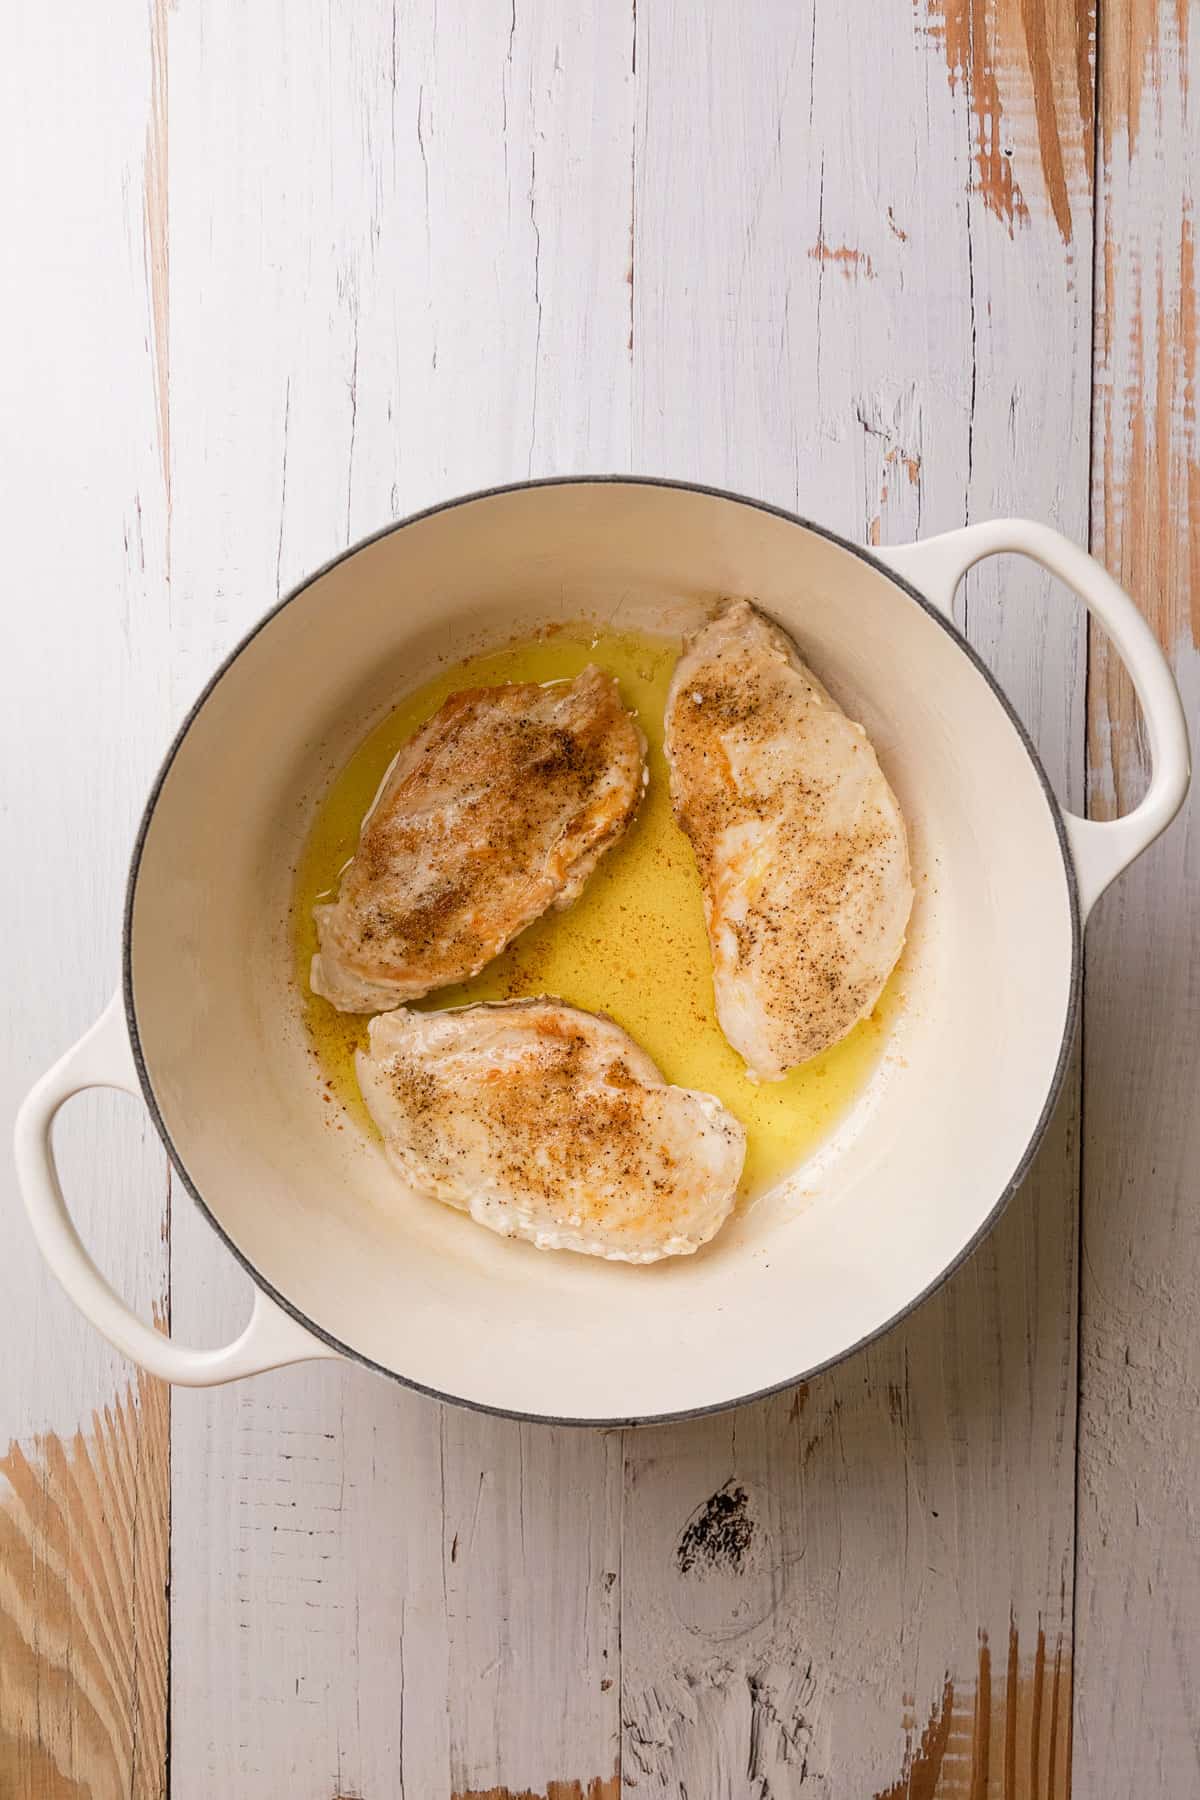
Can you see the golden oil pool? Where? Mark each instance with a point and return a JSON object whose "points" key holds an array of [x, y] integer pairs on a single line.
{"points": [[633, 945]]}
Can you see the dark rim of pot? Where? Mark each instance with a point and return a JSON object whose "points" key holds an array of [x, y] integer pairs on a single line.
{"points": [[1069, 1022]]}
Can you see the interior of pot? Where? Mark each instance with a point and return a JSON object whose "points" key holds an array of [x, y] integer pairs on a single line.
{"points": [[883, 1210]]}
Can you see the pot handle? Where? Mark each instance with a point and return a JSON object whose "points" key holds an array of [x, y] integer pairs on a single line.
{"points": [[1100, 849], [103, 1058]]}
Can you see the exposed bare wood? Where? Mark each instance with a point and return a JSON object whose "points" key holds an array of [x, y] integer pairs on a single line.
{"points": [[1027, 71], [1137, 1723], [866, 1587], [83, 1615], [554, 1790], [84, 1480], [291, 283], [399, 248]]}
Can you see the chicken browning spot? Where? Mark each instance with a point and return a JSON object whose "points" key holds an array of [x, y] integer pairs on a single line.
{"points": [[799, 842], [497, 809], [549, 1123]]}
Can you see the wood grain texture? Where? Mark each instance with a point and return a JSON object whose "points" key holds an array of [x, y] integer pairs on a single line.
{"points": [[1137, 1719], [83, 1618], [832, 312], [84, 1470], [398, 254], [555, 1790], [320, 266], [1027, 74]]}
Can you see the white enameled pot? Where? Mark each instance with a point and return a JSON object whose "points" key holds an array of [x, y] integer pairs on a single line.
{"points": [[208, 1027]]}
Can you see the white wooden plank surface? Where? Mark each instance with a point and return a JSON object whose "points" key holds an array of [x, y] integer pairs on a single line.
{"points": [[824, 315], [306, 268], [1138, 1720], [83, 1469], [399, 245]]}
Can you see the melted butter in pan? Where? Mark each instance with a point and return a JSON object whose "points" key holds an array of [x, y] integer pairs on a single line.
{"points": [[633, 945]]}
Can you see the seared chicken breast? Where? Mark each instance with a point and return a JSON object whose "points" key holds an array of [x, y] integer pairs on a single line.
{"points": [[548, 1123], [799, 841], [497, 809]]}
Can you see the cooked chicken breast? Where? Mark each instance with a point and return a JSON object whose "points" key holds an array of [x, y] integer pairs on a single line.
{"points": [[547, 1123], [497, 809], [799, 840]]}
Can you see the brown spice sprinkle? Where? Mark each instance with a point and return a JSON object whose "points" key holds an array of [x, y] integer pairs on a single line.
{"points": [[798, 840], [502, 801], [553, 1135], [556, 1113]]}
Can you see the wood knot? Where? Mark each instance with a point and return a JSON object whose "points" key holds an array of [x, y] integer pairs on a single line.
{"points": [[719, 1534]]}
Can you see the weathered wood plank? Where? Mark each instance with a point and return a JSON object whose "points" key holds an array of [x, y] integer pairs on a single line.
{"points": [[84, 1477], [1137, 1723], [399, 247], [790, 339], [871, 299]]}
